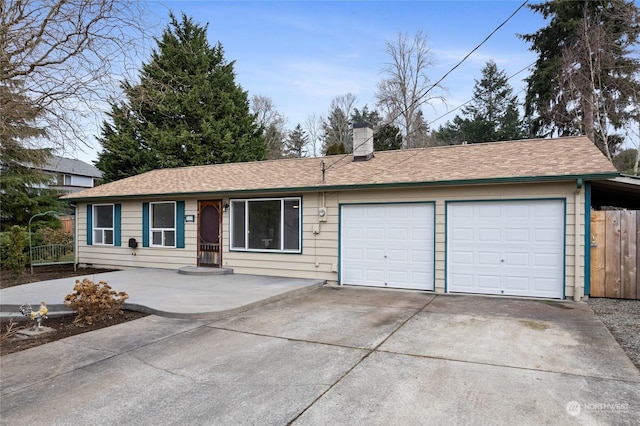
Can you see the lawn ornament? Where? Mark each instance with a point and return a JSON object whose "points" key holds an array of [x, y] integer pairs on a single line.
{"points": [[36, 316]]}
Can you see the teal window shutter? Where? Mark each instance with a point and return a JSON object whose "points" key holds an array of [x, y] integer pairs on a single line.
{"points": [[145, 224], [180, 224], [89, 224], [117, 217]]}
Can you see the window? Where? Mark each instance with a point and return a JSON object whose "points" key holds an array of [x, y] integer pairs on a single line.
{"points": [[163, 224], [103, 224], [266, 224]]}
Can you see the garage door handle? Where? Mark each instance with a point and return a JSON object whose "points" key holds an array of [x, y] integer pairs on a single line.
{"points": [[502, 260]]}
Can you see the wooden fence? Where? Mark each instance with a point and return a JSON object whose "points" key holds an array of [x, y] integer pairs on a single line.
{"points": [[67, 224], [615, 239]]}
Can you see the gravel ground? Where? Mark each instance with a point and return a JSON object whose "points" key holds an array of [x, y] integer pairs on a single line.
{"points": [[622, 318]]}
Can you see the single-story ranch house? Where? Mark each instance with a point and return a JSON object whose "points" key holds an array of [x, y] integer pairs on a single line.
{"points": [[503, 218]]}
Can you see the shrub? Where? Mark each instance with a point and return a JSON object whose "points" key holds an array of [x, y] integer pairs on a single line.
{"points": [[55, 236], [16, 259], [94, 302]]}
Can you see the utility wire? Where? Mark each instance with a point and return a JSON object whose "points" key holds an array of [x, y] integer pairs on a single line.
{"points": [[411, 155], [474, 98], [439, 81]]}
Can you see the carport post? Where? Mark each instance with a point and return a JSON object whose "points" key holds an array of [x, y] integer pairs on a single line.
{"points": [[578, 291]]}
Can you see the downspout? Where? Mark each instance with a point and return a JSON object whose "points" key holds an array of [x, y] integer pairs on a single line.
{"points": [[75, 236], [578, 290], [587, 239]]}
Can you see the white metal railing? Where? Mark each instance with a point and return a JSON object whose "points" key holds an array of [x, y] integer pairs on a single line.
{"points": [[52, 254]]}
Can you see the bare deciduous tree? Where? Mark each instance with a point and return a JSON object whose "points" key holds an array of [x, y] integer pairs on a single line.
{"points": [[272, 122], [596, 90], [67, 57], [313, 127], [633, 127], [407, 86]]}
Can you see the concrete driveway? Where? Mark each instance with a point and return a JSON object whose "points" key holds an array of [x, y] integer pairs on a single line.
{"points": [[335, 356]]}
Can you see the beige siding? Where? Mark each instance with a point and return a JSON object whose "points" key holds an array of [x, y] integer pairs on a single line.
{"points": [[320, 249]]}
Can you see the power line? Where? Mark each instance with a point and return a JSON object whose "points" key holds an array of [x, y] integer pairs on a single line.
{"points": [[440, 80], [474, 98]]}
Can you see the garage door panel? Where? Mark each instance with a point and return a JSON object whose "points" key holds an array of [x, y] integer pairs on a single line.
{"points": [[484, 258], [518, 259], [542, 260], [488, 283], [354, 233], [547, 236], [398, 234], [353, 253], [517, 234], [419, 234], [488, 235], [489, 210], [399, 212], [401, 255], [506, 245], [354, 273], [422, 256], [465, 235], [517, 282], [373, 212], [461, 257], [374, 233], [395, 240], [374, 255], [398, 277], [517, 210], [543, 285]]}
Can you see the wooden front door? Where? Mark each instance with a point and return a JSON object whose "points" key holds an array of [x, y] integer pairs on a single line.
{"points": [[209, 233]]}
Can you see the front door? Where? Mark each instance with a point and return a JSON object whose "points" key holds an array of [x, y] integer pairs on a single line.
{"points": [[209, 232]]}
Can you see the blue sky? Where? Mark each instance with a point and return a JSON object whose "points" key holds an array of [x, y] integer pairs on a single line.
{"points": [[302, 54]]}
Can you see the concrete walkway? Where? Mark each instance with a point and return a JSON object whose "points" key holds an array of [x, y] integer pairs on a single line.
{"points": [[335, 356], [164, 292]]}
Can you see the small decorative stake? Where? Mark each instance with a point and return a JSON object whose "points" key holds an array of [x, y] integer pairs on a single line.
{"points": [[36, 316]]}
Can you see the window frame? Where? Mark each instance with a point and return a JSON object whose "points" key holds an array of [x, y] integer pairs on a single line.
{"points": [[95, 227], [245, 202], [163, 230]]}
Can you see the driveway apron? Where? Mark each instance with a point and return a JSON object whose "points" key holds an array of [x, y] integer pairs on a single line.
{"points": [[335, 356]]}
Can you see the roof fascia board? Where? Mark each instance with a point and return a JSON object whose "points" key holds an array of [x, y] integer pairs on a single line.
{"points": [[524, 179]]}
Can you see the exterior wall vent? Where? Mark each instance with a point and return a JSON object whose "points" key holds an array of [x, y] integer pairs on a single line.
{"points": [[362, 142]]}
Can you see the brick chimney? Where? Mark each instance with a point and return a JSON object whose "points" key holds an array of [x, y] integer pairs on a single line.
{"points": [[362, 141]]}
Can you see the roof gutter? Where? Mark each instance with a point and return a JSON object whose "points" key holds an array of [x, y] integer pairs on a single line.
{"points": [[320, 187]]}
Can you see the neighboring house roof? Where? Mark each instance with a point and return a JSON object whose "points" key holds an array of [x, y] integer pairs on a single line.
{"points": [[513, 161], [72, 167]]}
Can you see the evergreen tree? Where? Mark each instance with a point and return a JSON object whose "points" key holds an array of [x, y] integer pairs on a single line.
{"points": [[335, 149], [295, 144], [23, 187], [492, 115], [337, 131], [385, 136], [583, 79], [186, 110]]}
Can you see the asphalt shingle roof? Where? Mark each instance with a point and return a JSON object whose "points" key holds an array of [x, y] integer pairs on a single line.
{"points": [[543, 159], [71, 166]]}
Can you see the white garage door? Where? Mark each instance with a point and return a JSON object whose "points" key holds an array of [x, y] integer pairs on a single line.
{"points": [[387, 245], [506, 247]]}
